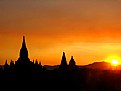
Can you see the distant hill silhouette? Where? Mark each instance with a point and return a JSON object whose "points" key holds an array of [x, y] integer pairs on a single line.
{"points": [[99, 66], [95, 65]]}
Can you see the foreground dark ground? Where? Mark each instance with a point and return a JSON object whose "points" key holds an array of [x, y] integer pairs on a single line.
{"points": [[80, 79]]}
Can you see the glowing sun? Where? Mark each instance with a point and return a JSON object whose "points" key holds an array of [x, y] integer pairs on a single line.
{"points": [[114, 62]]}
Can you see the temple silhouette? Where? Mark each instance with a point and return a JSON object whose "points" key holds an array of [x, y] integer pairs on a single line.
{"points": [[23, 63], [25, 74]]}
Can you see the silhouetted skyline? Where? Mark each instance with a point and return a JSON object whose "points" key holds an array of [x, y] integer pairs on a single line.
{"points": [[24, 60], [24, 55], [26, 74]]}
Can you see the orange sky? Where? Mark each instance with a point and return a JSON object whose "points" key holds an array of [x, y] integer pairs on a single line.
{"points": [[90, 30]]}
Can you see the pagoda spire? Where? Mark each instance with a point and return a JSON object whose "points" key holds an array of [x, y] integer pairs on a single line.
{"points": [[24, 43], [63, 61], [23, 64], [23, 50], [63, 64], [72, 62]]}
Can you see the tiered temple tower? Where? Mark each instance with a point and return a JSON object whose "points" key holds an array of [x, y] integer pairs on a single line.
{"points": [[63, 64], [23, 50], [23, 61], [72, 63]]}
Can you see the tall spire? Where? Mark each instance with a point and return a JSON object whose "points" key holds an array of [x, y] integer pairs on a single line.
{"points": [[24, 43], [23, 51], [63, 64], [63, 61]]}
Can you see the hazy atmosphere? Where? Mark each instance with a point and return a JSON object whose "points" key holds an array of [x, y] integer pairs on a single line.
{"points": [[89, 30]]}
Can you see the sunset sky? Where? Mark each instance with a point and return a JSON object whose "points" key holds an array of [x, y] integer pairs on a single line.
{"points": [[89, 30]]}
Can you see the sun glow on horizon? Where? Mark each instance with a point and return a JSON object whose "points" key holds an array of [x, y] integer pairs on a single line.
{"points": [[114, 60]]}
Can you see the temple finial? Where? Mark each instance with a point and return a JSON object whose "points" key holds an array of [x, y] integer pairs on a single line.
{"points": [[23, 38], [71, 57], [24, 43], [63, 53]]}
